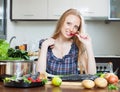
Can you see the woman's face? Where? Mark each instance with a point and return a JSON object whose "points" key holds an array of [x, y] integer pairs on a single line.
{"points": [[70, 26]]}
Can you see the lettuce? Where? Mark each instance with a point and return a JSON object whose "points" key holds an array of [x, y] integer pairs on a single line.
{"points": [[4, 46], [7, 53]]}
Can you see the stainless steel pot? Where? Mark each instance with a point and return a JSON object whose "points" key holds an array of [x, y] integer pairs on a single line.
{"points": [[19, 67]]}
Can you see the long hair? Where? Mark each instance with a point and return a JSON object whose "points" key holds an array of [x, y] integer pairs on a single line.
{"points": [[75, 39]]}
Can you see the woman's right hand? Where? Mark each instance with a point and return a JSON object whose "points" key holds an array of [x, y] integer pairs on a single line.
{"points": [[48, 42]]}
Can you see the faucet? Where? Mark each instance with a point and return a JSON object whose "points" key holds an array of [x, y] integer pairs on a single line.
{"points": [[14, 37]]}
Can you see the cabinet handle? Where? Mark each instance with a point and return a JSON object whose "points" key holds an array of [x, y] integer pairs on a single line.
{"points": [[57, 15], [88, 12], [28, 15]]}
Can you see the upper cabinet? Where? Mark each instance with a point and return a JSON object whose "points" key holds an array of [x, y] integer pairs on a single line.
{"points": [[57, 7], [114, 12], [93, 9], [3, 19], [28, 9], [52, 9]]}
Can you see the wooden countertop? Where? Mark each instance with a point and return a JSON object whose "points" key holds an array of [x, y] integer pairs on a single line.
{"points": [[65, 87]]}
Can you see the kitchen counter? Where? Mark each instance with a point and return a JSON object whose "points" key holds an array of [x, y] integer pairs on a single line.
{"points": [[107, 56], [49, 88]]}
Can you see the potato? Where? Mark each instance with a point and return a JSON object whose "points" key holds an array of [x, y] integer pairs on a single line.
{"points": [[101, 82], [88, 84]]}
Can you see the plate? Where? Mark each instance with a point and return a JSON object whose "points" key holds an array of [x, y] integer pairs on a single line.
{"points": [[23, 84], [2, 76]]}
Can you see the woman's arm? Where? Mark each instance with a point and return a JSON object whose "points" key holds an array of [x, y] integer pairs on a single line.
{"points": [[41, 63], [89, 57], [42, 58], [91, 61]]}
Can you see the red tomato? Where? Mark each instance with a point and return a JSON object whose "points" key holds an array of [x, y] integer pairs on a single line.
{"points": [[113, 79], [30, 79], [38, 80]]}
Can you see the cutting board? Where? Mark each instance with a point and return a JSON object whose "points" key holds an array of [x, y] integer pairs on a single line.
{"points": [[66, 84]]}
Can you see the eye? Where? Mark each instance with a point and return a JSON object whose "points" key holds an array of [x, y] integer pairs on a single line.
{"points": [[68, 23], [76, 27]]}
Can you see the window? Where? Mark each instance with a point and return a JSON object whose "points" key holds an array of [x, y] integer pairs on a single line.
{"points": [[3, 19]]}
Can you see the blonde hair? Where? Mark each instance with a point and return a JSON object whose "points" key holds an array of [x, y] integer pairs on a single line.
{"points": [[75, 39]]}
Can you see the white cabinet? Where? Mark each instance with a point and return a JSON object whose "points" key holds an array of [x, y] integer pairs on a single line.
{"points": [[57, 7], [28, 9], [92, 8], [88, 8], [52, 9]]}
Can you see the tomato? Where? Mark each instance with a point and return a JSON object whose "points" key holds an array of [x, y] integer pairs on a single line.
{"points": [[113, 79], [38, 80], [34, 80], [30, 79]]}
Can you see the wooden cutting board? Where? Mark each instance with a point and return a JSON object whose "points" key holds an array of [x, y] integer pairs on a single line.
{"points": [[66, 84]]}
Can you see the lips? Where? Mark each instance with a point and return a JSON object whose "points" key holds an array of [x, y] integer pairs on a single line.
{"points": [[73, 34]]}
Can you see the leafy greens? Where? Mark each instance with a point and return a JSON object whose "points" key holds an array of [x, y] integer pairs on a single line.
{"points": [[7, 53], [4, 46]]}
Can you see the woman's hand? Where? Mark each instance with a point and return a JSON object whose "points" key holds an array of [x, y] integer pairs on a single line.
{"points": [[84, 38], [49, 42]]}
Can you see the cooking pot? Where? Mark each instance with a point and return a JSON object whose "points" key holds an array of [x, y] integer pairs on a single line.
{"points": [[20, 67]]}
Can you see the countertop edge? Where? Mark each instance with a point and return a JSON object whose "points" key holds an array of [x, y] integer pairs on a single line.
{"points": [[107, 56]]}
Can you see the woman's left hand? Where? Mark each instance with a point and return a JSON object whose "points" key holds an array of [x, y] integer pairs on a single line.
{"points": [[84, 38]]}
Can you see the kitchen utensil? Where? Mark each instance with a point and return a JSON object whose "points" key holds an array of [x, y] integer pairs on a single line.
{"points": [[19, 67]]}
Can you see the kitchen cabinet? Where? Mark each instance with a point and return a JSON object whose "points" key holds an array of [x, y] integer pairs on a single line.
{"points": [[52, 9], [89, 9], [57, 7], [114, 10], [93, 8], [28, 9], [2, 19]]}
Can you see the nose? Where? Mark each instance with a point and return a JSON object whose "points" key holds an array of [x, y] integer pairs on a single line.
{"points": [[72, 28]]}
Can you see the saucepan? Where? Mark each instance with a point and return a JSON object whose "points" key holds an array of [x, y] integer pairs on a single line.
{"points": [[20, 67]]}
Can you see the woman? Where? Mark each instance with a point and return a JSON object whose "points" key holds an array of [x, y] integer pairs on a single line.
{"points": [[68, 48]]}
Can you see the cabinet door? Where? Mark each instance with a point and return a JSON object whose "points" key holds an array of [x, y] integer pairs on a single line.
{"points": [[28, 9], [3, 19], [114, 12], [57, 7], [88, 8], [92, 8]]}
